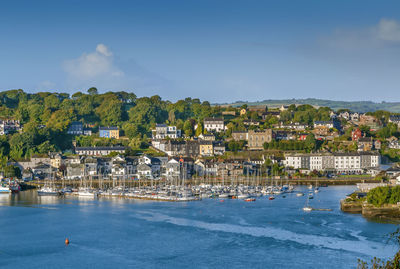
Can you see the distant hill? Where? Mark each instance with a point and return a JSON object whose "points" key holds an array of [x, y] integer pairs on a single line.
{"points": [[356, 106]]}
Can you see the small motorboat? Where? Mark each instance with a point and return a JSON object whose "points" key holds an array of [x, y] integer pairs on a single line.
{"points": [[307, 209], [299, 194], [271, 198], [249, 199]]}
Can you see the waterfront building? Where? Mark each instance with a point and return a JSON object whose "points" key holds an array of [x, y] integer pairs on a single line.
{"points": [[91, 166], [42, 171], [75, 171], [349, 163], [109, 132], [153, 163], [179, 168], [144, 171], [230, 168], [56, 159], [32, 162]]}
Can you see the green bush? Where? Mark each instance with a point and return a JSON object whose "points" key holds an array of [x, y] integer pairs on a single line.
{"points": [[379, 196], [394, 195]]}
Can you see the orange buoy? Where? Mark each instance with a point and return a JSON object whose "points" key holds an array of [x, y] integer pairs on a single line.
{"points": [[66, 242]]}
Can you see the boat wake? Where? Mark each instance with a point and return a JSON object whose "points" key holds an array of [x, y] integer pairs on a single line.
{"points": [[361, 246]]}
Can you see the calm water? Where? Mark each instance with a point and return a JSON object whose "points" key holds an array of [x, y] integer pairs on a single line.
{"points": [[122, 233]]}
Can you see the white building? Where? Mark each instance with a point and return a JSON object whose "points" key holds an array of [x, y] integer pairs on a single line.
{"points": [[214, 124], [7, 126], [395, 119], [337, 162], [98, 151], [163, 131], [327, 124]]}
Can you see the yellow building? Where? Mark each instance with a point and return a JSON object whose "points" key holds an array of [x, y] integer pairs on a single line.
{"points": [[206, 148], [109, 132], [56, 159]]}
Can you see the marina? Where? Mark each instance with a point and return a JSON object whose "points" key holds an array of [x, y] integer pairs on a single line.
{"points": [[170, 192]]}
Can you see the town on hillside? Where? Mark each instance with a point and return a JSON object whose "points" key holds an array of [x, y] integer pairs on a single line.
{"points": [[116, 134]]}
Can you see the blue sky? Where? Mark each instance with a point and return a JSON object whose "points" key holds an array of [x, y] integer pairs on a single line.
{"points": [[215, 50]]}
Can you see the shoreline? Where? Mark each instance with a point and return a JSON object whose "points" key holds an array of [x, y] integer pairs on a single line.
{"points": [[385, 213]]}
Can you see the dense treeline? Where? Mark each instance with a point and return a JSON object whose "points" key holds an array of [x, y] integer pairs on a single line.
{"points": [[46, 117]]}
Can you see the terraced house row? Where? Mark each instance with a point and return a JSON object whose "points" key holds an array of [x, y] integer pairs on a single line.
{"points": [[349, 163]]}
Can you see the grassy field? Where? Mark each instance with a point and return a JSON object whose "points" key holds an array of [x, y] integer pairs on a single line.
{"points": [[357, 106]]}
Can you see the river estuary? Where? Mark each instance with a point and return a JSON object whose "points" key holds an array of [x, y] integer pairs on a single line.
{"points": [[120, 233]]}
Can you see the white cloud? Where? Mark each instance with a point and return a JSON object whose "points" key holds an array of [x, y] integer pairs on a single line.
{"points": [[102, 49], [386, 33], [101, 69], [89, 66], [387, 30]]}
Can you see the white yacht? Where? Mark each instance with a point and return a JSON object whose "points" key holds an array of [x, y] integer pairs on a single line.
{"points": [[243, 196], [4, 189], [86, 193], [307, 207], [48, 191], [224, 195]]}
